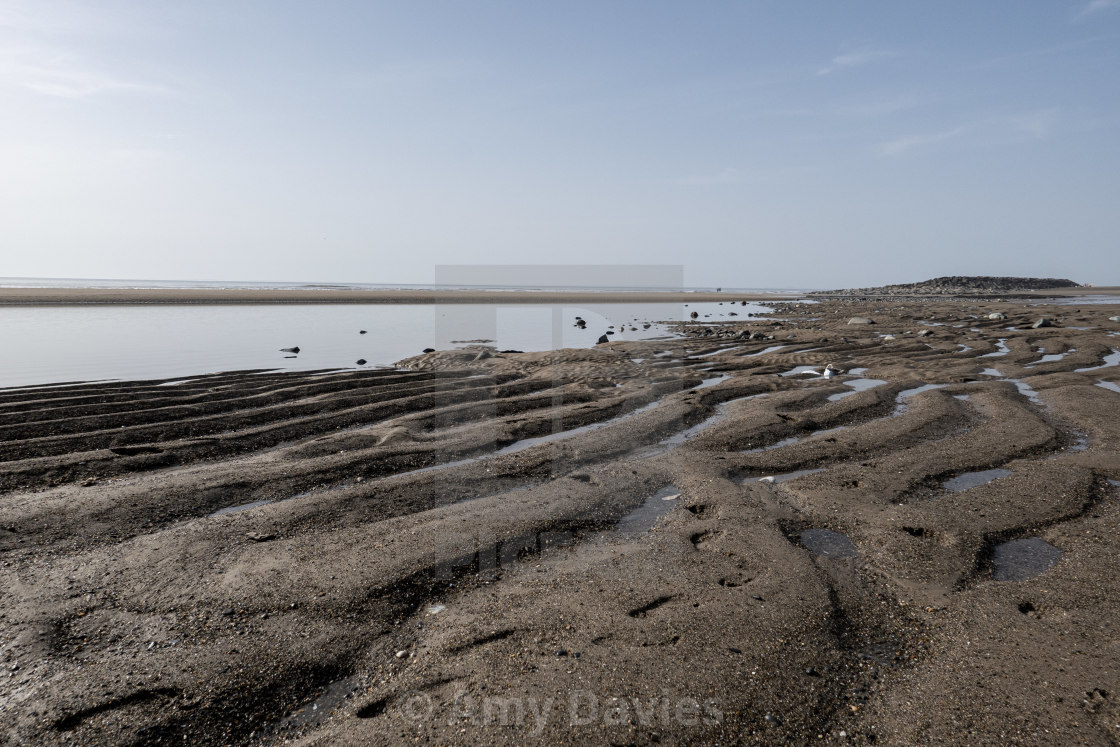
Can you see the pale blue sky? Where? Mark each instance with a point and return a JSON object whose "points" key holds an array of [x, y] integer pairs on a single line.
{"points": [[771, 143]]}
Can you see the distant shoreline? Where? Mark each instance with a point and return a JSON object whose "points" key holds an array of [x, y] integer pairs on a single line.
{"points": [[238, 296]]}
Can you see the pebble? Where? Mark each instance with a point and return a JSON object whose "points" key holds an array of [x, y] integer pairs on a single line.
{"points": [[401, 654]]}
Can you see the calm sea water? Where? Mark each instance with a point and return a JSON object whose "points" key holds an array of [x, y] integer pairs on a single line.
{"points": [[45, 345]]}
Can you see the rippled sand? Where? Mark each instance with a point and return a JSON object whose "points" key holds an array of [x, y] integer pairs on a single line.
{"points": [[583, 546]]}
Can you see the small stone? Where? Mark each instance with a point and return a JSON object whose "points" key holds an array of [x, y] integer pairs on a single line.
{"points": [[401, 654], [1043, 322], [996, 316], [360, 362], [429, 350], [361, 331], [860, 320], [260, 536], [561, 652], [602, 339], [771, 718], [812, 672]]}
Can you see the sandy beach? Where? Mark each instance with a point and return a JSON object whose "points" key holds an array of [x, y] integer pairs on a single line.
{"points": [[675, 541]]}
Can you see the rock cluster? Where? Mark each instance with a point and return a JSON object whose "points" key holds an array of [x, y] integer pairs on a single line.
{"points": [[956, 285]]}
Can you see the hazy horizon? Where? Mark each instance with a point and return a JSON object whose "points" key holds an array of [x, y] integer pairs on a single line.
{"points": [[759, 145]]}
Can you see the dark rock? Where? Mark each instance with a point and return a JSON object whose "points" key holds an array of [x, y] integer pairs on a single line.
{"points": [[695, 315], [290, 350], [513, 351], [429, 350], [360, 361], [361, 331], [602, 339]]}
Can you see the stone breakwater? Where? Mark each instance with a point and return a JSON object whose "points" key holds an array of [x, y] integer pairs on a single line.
{"points": [[685, 540]]}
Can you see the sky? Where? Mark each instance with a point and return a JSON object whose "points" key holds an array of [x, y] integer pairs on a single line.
{"points": [[758, 143]]}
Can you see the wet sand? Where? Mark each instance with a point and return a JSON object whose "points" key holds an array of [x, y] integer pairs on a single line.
{"points": [[82, 296], [406, 556]]}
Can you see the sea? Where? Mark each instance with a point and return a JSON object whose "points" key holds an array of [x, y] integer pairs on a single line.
{"points": [[42, 345]]}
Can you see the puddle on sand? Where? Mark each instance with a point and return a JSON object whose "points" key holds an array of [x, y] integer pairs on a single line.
{"points": [[641, 519], [964, 348], [1110, 360], [1003, 349], [1111, 386], [1050, 358], [777, 445], [962, 397], [721, 412], [1081, 443], [239, 507], [857, 371], [857, 385], [784, 477], [991, 372], [766, 351], [828, 544], [1026, 390], [1021, 559], [974, 479], [906, 394], [711, 382], [721, 351]]}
